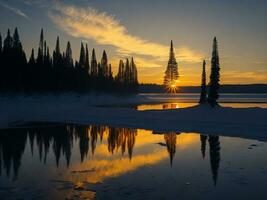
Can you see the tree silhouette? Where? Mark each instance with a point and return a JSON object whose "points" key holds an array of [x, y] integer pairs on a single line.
{"points": [[93, 64], [203, 139], [58, 73], [171, 73], [215, 157], [170, 139], [203, 94], [214, 76]]}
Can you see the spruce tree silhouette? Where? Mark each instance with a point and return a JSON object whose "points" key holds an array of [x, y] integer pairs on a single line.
{"points": [[203, 94], [93, 64], [171, 73], [203, 139], [215, 157], [214, 75], [170, 139]]}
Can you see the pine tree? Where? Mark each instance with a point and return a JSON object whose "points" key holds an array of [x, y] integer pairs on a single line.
{"points": [[69, 59], [87, 65], [104, 65], [214, 76], [203, 95], [120, 75], [171, 73], [134, 77], [82, 57], [8, 42], [57, 55], [16, 41], [18, 63], [93, 64]]}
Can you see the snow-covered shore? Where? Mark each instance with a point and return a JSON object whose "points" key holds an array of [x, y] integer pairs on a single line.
{"points": [[73, 108]]}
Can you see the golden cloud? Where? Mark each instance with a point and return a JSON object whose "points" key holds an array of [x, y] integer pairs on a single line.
{"points": [[106, 30]]}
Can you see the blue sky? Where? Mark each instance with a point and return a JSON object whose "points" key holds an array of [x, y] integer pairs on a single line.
{"points": [[143, 29]]}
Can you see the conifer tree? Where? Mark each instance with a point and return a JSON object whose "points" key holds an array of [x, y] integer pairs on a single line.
{"points": [[18, 63], [82, 57], [87, 65], [57, 55], [214, 75], [171, 73], [8, 42], [134, 76], [203, 94], [120, 75], [16, 41], [104, 65], [69, 59], [93, 64]]}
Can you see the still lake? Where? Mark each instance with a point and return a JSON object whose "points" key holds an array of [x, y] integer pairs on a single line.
{"points": [[85, 162], [67, 161]]}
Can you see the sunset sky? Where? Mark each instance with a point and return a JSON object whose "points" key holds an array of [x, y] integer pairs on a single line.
{"points": [[143, 29]]}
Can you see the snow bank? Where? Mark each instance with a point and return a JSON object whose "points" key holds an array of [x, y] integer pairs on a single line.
{"points": [[72, 108]]}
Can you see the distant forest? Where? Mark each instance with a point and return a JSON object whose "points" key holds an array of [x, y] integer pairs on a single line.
{"points": [[59, 72], [252, 88]]}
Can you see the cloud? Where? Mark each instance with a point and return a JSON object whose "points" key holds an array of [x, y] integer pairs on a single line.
{"points": [[106, 30], [15, 10]]}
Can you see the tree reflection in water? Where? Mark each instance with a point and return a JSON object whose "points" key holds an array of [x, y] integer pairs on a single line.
{"points": [[60, 139]]}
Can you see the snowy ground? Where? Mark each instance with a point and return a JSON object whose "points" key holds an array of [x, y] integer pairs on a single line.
{"points": [[73, 108]]}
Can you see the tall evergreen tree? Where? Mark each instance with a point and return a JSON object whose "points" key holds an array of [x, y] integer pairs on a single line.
{"points": [[8, 42], [18, 63], [57, 57], [203, 94], [134, 76], [171, 73], [120, 75], [93, 64], [69, 59], [104, 65], [16, 41], [214, 75], [82, 57], [87, 65]]}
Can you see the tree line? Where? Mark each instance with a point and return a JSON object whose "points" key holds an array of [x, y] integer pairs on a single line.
{"points": [[58, 71]]}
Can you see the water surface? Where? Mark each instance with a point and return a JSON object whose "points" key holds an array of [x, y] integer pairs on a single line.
{"points": [[79, 162]]}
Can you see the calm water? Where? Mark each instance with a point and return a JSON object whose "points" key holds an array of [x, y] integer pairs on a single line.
{"points": [[78, 162]]}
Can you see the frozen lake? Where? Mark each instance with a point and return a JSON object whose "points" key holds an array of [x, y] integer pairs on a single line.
{"points": [[85, 162]]}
